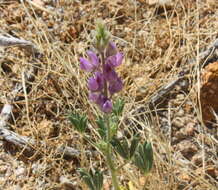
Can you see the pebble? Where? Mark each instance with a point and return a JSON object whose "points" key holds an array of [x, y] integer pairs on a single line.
{"points": [[197, 159], [187, 148], [178, 122]]}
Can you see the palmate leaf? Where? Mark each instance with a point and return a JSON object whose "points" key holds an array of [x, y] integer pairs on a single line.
{"points": [[93, 179], [143, 157], [118, 107], [102, 130], [78, 121], [134, 145], [123, 149]]}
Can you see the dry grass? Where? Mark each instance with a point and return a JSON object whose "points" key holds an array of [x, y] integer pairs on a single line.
{"points": [[157, 42]]}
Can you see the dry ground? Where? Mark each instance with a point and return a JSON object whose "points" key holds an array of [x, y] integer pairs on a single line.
{"points": [[158, 43]]}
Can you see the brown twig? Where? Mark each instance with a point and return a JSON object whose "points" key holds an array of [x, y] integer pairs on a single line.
{"points": [[12, 41], [204, 60], [25, 144]]}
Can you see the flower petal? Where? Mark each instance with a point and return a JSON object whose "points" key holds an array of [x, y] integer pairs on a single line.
{"points": [[111, 49], [85, 65], [93, 58], [109, 72], [115, 60], [107, 106], [96, 83], [115, 86]]}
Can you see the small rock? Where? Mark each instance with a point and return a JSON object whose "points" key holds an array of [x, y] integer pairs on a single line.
{"points": [[197, 159], [180, 135], [187, 148], [159, 2], [212, 171], [20, 172], [189, 129], [178, 122], [209, 91], [66, 183], [184, 177], [180, 113]]}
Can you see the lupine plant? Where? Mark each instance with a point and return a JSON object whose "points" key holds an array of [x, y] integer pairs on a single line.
{"points": [[102, 84]]}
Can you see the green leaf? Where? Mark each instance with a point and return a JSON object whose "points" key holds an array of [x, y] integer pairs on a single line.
{"points": [[78, 121], [134, 145], [113, 128], [149, 155], [93, 179], [143, 157], [118, 107], [121, 147], [87, 178], [102, 146], [98, 179], [102, 130]]}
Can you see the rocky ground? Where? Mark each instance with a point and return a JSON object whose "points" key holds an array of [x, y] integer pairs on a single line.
{"points": [[160, 40]]}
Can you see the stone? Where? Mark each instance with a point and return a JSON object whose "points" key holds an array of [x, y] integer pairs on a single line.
{"points": [[197, 159], [187, 149], [208, 92]]}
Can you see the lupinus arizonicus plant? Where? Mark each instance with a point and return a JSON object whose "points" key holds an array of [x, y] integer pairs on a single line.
{"points": [[103, 83]]}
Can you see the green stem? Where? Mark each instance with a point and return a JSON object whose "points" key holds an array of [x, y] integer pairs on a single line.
{"points": [[109, 157], [109, 160]]}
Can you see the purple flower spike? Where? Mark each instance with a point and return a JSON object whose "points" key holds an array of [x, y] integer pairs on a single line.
{"points": [[96, 83], [107, 106], [93, 58], [109, 72], [85, 65], [115, 86], [111, 49], [115, 60], [91, 64]]}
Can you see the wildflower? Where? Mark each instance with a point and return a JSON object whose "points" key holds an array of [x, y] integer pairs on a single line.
{"points": [[107, 106], [96, 83], [115, 86], [111, 49], [103, 102], [109, 72], [91, 63], [105, 80], [115, 60]]}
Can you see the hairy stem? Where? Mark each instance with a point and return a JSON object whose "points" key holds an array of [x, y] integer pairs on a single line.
{"points": [[109, 157]]}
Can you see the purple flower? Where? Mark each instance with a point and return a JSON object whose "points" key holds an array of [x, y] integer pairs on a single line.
{"points": [[96, 83], [91, 63], [109, 72], [115, 86], [111, 49], [107, 106], [115, 60], [103, 102]]}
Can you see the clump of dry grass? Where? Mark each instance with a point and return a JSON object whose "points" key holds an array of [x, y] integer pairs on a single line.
{"points": [[157, 41]]}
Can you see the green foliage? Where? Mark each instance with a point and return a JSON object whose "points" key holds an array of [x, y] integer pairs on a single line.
{"points": [[118, 107], [78, 121], [102, 146], [123, 149], [143, 157], [94, 180], [134, 145], [102, 130], [102, 36]]}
